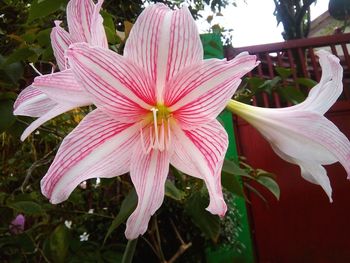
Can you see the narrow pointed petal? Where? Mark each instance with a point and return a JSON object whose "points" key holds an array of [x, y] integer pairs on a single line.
{"points": [[198, 94], [60, 40], [317, 174], [98, 147], [32, 102], [200, 153], [324, 94], [98, 34], [85, 24], [58, 109], [310, 171], [163, 42], [148, 173], [116, 85], [62, 87]]}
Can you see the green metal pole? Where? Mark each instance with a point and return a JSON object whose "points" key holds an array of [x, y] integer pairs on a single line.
{"points": [[213, 49]]}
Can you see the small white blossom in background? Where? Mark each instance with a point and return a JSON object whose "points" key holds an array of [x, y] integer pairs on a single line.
{"points": [[91, 211], [37, 132], [68, 224], [84, 237], [98, 182], [83, 185]]}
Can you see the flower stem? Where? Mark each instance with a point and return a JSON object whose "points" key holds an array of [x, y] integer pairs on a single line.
{"points": [[129, 251]]}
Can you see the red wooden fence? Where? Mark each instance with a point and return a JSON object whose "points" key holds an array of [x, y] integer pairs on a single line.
{"points": [[303, 226]]}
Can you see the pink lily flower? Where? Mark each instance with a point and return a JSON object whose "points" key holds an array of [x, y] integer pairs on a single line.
{"points": [[156, 105], [301, 134], [53, 94]]}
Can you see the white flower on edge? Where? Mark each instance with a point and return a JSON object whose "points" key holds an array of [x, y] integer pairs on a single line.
{"points": [[68, 224], [84, 237], [301, 134]]}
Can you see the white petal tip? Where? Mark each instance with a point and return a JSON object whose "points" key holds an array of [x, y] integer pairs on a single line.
{"points": [[57, 23], [130, 235], [219, 210], [24, 136]]}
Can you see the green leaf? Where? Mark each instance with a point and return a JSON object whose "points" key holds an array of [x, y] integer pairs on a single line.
{"points": [[129, 251], [11, 73], [43, 37], [59, 244], [127, 207], [284, 72], [268, 85], [18, 55], [25, 243], [109, 26], [232, 184], [27, 207], [173, 192], [255, 82], [270, 184], [231, 167], [309, 83], [43, 8], [7, 118], [208, 223], [292, 94]]}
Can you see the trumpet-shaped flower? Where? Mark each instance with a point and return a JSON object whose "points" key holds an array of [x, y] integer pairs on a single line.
{"points": [[156, 105], [301, 134], [53, 94]]}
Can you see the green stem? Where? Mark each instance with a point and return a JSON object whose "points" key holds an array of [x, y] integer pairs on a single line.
{"points": [[129, 251]]}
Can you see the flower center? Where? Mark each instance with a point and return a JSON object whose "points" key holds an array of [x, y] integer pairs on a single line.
{"points": [[158, 129]]}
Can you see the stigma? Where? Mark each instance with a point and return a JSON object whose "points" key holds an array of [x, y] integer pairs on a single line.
{"points": [[156, 134]]}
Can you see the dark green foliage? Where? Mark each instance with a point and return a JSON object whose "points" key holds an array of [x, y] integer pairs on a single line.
{"points": [[295, 17]]}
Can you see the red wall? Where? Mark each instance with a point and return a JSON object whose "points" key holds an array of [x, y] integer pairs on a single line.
{"points": [[302, 226]]}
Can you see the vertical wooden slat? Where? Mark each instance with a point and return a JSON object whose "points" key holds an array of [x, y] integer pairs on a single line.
{"points": [[346, 56], [261, 75], [314, 64], [303, 62], [272, 75], [334, 50]]}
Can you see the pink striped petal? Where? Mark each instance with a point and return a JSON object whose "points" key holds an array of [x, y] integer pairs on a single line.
{"points": [[85, 23], [98, 147], [198, 94], [58, 109], [32, 102], [62, 87], [60, 41], [200, 153], [148, 173], [117, 86], [163, 42]]}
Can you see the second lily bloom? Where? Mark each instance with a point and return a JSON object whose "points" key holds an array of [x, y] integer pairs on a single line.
{"points": [[301, 134]]}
